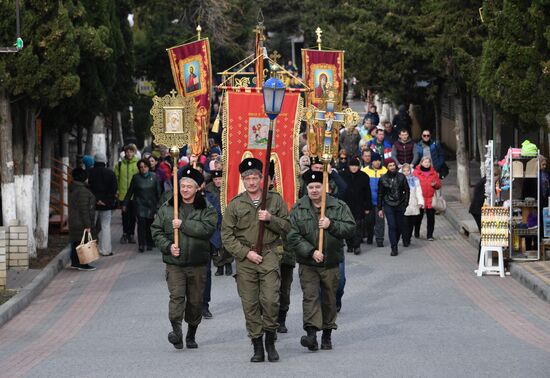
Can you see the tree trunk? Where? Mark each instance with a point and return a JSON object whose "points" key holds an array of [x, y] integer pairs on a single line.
{"points": [[462, 161], [98, 137], [6, 161], [416, 128], [24, 151], [481, 132], [66, 163], [79, 139], [437, 116], [497, 135], [89, 140], [43, 222], [116, 138]]}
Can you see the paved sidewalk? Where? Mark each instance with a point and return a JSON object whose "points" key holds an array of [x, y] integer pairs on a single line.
{"points": [[422, 313], [534, 275]]}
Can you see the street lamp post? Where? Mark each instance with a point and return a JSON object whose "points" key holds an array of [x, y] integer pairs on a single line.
{"points": [[274, 94]]}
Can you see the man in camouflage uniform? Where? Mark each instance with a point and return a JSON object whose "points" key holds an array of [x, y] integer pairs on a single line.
{"points": [[258, 281], [186, 262], [318, 270]]}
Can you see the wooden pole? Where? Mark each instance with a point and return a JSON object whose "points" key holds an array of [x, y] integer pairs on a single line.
{"points": [[175, 152], [323, 205], [263, 204]]}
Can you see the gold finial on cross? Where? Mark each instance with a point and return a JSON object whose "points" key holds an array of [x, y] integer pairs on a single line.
{"points": [[199, 29], [318, 31], [275, 56], [173, 93]]}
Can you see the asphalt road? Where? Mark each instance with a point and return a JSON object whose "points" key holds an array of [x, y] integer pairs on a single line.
{"points": [[423, 313]]}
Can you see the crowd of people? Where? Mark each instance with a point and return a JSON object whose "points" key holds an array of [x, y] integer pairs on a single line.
{"points": [[381, 177]]}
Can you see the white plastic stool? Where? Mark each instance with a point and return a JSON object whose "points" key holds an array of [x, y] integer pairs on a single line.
{"points": [[486, 261]]}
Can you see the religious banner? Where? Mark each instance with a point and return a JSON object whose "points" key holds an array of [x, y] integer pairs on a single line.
{"points": [[322, 70], [245, 135], [192, 71]]}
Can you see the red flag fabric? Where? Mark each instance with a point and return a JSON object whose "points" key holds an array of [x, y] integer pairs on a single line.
{"points": [[192, 71], [245, 135], [321, 68]]}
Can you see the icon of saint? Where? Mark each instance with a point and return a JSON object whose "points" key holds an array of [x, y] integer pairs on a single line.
{"points": [[192, 82]]}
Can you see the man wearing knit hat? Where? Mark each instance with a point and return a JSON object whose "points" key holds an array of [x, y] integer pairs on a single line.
{"points": [[103, 184], [393, 199], [375, 224], [186, 261], [258, 277], [319, 270]]}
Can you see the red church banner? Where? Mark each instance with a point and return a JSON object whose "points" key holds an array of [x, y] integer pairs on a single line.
{"points": [[322, 69], [192, 71], [245, 135]]}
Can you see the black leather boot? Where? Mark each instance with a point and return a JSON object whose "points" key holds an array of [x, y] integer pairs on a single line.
{"points": [[310, 340], [357, 251], [219, 272], [272, 354], [176, 337], [326, 340], [259, 354], [190, 342], [393, 251], [228, 269], [282, 319]]}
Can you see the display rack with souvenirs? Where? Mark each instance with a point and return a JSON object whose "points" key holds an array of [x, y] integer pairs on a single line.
{"points": [[520, 185]]}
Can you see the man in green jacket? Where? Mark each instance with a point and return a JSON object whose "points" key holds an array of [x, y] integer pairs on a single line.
{"points": [[318, 270], [258, 277], [185, 262], [124, 171]]}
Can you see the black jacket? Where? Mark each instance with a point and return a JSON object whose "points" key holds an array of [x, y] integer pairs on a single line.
{"points": [[103, 184], [393, 190], [358, 194], [479, 197]]}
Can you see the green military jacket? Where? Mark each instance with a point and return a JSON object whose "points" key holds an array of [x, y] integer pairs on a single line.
{"points": [[240, 224], [303, 237], [194, 232]]}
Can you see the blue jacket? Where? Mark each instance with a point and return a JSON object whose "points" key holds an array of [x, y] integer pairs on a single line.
{"points": [[436, 152], [374, 177]]}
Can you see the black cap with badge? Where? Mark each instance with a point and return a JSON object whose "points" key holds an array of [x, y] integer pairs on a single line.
{"points": [[215, 174], [193, 174], [250, 163], [312, 176]]}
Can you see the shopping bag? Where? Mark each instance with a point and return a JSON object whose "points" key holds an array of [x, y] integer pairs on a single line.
{"points": [[438, 202], [87, 251]]}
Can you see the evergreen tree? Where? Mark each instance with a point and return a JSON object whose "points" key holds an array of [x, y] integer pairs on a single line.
{"points": [[515, 69]]}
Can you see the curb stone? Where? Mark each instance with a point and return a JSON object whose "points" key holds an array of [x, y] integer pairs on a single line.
{"points": [[529, 280], [26, 295]]}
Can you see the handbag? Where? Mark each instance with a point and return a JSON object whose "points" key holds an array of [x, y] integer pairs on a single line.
{"points": [[438, 202], [87, 251]]}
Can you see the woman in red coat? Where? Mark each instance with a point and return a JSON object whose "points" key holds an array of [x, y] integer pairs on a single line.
{"points": [[429, 182]]}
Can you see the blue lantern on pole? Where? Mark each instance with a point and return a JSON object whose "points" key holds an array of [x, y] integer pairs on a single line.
{"points": [[274, 94]]}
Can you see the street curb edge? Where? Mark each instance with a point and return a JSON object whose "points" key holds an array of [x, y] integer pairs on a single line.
{"points": [[27, 294], [530, 281]]}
